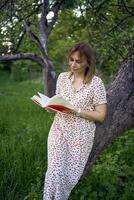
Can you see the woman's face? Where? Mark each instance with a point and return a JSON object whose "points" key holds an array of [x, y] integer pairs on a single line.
{"points": [[77, 63]]}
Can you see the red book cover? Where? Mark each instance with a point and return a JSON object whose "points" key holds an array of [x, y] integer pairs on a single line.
{"points": [[59, 108]]}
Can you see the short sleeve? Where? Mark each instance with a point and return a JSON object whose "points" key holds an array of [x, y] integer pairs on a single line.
{"points": [[58, 83], [99, 92]]}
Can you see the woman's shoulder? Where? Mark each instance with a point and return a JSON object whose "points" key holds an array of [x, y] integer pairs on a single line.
{"points": [[64, 75], [96, 79]]}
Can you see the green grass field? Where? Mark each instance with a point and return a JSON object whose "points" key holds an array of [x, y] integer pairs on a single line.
{"points": [[23, 138], [23, 134]]}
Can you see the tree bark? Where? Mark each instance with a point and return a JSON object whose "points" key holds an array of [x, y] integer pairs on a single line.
{"points": [[49, 77], [120, 115], [19, 56]]}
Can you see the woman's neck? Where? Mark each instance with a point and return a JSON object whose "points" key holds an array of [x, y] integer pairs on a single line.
{"points": [[78, 76]]}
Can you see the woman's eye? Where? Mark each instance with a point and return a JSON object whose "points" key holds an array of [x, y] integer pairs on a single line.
{"points": [[78, 61], [71, 60]]}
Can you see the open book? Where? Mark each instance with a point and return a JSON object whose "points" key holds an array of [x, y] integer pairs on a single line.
{"points": [[55, 103]]}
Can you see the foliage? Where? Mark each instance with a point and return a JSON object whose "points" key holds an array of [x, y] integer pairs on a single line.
{"points": [[6, 65], [12, 17], [24, 70], [101, 25]]}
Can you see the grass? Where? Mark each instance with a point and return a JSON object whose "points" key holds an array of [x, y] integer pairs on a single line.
{"points": [[23, 138], [23, 135]]}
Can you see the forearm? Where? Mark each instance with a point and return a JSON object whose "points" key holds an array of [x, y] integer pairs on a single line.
{"points": [[90, 115]]}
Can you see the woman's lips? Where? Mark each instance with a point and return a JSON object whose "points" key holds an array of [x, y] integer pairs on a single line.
{"points": [[74, 68]]}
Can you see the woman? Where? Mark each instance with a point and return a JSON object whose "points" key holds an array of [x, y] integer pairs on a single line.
{"points": [[71, 135]]}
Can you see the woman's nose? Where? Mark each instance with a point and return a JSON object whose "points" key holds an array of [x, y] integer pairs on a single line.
{"points": [[73, 63]]}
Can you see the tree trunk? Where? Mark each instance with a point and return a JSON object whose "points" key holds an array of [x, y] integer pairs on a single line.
{"points": [[49, 77], [120, 115]]}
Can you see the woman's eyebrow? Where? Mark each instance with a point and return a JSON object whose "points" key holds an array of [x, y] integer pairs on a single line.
{"points": [[79, 60]]}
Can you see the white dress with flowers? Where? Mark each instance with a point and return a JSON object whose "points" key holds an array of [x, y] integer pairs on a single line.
{"points": [[70, 139]]}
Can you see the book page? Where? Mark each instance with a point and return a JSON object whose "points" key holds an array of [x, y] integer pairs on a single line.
{"points": [[58, 100], [37, 100], [44, 99]]}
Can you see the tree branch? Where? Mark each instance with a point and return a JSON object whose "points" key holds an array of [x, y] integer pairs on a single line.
{"points": [[29, 56], [100, 5], [43, 26], [90, 4], [34, 38], [20, 40], [119, 5], [118, 24], [126, 8], [4, 4], [55, 10], [44, 11]]}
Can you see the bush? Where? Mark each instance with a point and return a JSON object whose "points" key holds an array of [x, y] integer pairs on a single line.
{"points": [[112, 177], [24, 70]]}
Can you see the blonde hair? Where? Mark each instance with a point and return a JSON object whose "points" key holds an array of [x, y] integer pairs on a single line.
{"points": [[85, 50]]}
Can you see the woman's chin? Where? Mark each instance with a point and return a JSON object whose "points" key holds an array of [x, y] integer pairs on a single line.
{"points": [[74, 70]]}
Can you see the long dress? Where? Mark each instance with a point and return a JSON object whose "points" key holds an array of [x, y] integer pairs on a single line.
{"points": [[71, 138]]}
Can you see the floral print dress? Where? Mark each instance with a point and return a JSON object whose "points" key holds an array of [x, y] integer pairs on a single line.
{"points": [[71, 138]]}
